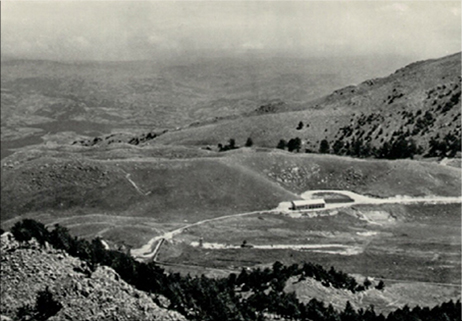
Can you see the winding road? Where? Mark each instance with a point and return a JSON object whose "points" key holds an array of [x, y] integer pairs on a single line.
{"points": [[149, 250]]}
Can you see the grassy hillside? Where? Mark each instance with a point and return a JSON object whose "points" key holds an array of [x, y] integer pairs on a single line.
{"points": [[97, 197], [382, 178], [174, 190], [420, 101]]}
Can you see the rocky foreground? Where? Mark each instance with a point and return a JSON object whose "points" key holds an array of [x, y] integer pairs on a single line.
{"points": [[27, 269]]}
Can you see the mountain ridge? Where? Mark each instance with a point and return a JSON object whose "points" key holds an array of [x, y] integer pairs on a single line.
{"points": [[422, 98]]}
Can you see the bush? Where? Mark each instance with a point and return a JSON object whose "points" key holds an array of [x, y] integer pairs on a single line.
{"points": [[46, 306]]}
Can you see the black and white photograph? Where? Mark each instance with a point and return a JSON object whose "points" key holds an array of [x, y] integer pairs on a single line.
{"points": [[230, 160]]}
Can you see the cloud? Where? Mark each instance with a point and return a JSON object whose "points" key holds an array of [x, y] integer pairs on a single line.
{"points": [[252, 46], [397, 7], [81, 42], [142, 30], [455, 11]]}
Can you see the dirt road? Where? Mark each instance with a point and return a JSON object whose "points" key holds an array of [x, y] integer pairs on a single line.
{"points": [[148, 250]]}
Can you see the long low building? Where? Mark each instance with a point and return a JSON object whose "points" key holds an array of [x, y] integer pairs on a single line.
{"points": [[307, 204]]}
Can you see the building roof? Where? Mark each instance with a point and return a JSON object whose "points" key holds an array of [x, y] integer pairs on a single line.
{"points": [[308, 202]]}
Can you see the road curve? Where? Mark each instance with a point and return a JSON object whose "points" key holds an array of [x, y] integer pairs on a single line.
{"points": [[148, 250]]}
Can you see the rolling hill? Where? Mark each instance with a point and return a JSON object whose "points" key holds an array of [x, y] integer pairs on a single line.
{"points": [[115, 195]]}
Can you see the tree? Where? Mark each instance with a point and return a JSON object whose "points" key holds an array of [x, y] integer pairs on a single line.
{"points": [[27, 229], [337, 147], [282, 144], [349, 314], [300, 125], [324, 147], [232, 143], [249, 142], [61, 238], [380, 286], [46, 306], [384, 151], [367, 283], [294, 144]]}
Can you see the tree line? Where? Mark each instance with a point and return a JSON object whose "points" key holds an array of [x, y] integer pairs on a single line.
{"points": [[232, 145], [399, 146]]}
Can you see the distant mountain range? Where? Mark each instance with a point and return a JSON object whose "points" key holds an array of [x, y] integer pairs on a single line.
{"points": [[151, 94]]}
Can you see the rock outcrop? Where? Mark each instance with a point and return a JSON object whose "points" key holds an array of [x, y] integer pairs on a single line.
{"points": [[27, 269]]}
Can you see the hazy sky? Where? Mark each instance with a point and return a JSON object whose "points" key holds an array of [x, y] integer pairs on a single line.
{"points": [[108, 30]]}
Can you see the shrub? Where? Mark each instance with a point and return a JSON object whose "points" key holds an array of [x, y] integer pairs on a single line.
{"points": [[46, 306], [28, 229]]}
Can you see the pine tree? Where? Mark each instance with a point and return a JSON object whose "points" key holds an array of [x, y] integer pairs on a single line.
{"points": [[324, 147], [282, 144], [249, 142], [232, 143], [294, 144]]}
